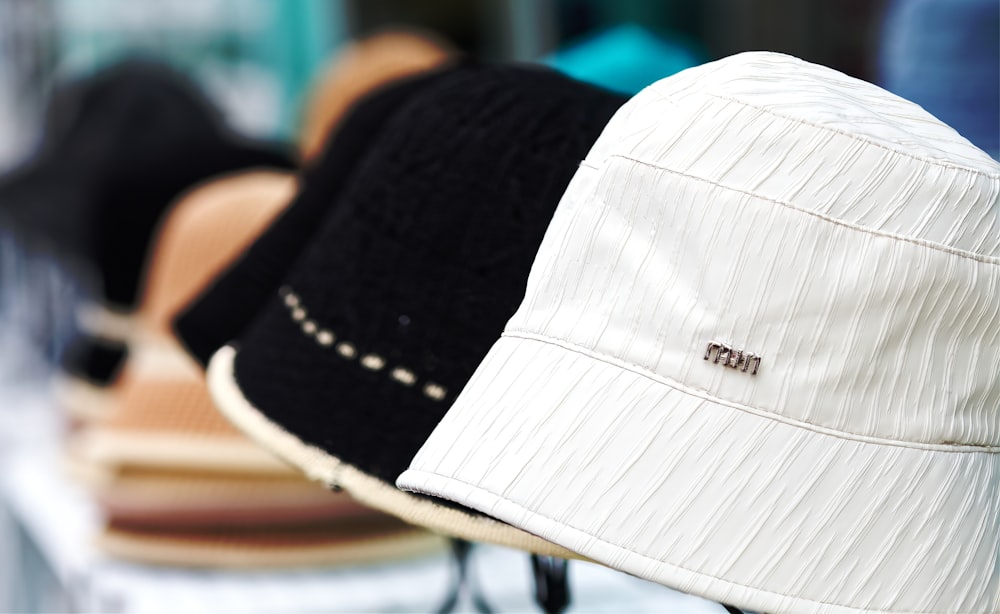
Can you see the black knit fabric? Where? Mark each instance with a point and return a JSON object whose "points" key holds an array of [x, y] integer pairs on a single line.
{"points": [[227, 306], [95, 360], [421, 264], [120, 147]]}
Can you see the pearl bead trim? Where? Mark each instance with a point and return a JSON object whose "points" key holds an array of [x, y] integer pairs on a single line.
{"points": [[373, 362], [404, 376], [347, 350], [435, 391]]}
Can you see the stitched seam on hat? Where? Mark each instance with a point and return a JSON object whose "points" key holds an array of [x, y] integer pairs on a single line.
{"points": [[561, 523], [763, 413], [854, 137], [864, 139], [325, 339], [954, 251]]}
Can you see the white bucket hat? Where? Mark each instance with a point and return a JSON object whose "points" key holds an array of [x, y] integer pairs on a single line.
{"points": [[758, 358]]}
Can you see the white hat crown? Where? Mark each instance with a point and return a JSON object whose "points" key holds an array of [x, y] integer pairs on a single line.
{"points": [[840, 235], [758, 358]]}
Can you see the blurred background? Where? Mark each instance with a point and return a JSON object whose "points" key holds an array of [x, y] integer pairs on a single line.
{"points": [[256, 57], [259, 62]]}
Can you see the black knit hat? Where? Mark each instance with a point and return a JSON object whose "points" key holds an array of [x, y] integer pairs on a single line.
{"points": [[221, 313], [388, 311], [118, 148]]}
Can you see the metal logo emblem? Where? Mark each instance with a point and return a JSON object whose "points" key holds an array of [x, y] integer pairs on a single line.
{"points": [[733, 358]]}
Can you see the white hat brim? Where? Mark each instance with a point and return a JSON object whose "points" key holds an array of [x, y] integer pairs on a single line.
{"points": [[713, 499]]}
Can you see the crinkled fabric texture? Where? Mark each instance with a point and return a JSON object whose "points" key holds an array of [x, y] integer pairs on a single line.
{"points": [[841, 238], [415, 273]]}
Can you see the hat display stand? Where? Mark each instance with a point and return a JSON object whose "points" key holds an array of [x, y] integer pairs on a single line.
{"points": [[464, 587], [549, 576]]}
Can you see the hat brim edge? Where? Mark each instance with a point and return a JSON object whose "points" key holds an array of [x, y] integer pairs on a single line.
{"points": [[321, 466], [500, 449]]}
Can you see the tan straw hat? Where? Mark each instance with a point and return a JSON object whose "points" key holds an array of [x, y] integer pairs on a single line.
{"points": [[159, 412], [360, 67], [332, 543]]}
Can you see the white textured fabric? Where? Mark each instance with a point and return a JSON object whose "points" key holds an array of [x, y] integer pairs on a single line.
{"points": [[838, 232]]}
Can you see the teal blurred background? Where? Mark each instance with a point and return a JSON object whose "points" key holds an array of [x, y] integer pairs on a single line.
{"points": [[256, 57]]}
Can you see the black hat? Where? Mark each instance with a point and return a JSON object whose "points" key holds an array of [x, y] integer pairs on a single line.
{"points": [[384, 317], [118, 147], [225, 308]]}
